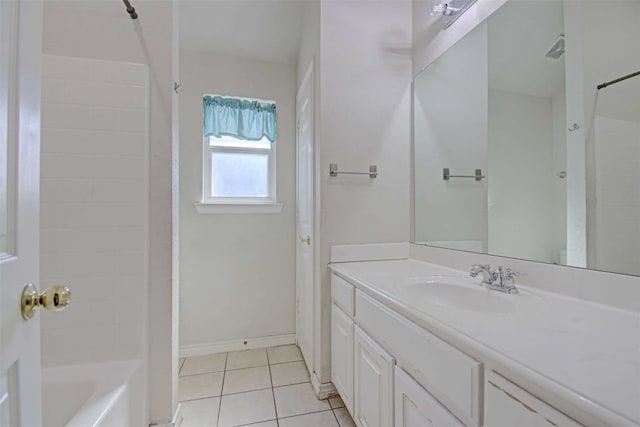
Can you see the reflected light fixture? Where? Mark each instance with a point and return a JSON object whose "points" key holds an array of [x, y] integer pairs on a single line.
{"points": [[451, 10]]}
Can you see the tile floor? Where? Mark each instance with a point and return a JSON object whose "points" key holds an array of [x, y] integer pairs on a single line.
{"points": [[267, 387]]}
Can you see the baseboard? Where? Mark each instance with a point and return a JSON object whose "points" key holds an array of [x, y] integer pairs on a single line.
{"points": [[235, 345], [322, 390], [175, 422]]}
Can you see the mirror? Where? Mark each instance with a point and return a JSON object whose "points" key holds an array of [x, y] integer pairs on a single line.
{"points": [[517, 153]]}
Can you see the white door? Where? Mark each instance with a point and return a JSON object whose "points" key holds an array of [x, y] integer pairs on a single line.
{"points": [[342, 355], [372, 382], [20, 53], [305, 219]]}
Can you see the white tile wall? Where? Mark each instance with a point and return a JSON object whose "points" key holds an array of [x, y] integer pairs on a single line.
{"points": [[94, 208], [617, 206]]}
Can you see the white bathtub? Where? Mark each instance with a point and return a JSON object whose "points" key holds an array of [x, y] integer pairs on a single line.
{"points": [[97, 395]]}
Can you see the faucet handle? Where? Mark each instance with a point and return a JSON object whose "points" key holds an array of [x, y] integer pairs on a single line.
{"points": [[510, 273], [507, 279]]}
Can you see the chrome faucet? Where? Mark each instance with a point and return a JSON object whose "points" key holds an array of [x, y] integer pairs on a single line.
{"points": [[502, 280], [488, 276]]}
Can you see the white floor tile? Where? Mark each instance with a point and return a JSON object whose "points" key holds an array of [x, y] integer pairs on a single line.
{"points": [[246, 408], [200, 413], [344, 418], [297, 400], [289, 373], [318, 419], [247, 379], [284, 353], [204, 364], [247, 359], [199, 386], [336, 402]]}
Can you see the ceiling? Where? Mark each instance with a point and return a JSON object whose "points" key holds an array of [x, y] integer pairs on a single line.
{"points": [[266, 30], [519, 34]]}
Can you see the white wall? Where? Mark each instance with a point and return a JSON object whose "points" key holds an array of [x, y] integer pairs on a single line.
{"points": [[102, 29], [521, 179], [310, 44], [365, 91], [237, 272], [431, 39], [450, 131]]}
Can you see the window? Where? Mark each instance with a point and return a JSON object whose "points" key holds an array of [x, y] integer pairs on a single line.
{"points": [[238, 171], [239, 156]]}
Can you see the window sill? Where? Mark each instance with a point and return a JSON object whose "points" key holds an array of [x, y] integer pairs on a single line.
{"points": [[238, 208]]}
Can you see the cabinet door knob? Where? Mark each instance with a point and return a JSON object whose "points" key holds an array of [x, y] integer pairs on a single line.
{"points": [[55, 298]]}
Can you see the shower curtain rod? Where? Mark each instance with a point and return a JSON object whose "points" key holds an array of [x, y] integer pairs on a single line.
{"points": [[618, 80], [130, 9]]}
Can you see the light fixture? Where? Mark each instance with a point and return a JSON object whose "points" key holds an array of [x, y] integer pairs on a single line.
{"points": [[451, 10]]}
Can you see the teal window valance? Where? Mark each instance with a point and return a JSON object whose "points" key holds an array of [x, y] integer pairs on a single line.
{"points": [[240, 118]]}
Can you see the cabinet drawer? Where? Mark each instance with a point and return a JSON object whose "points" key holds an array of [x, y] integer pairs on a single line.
{"points": [[506, 404], [447, 373], [343, 294], [416, 407]]}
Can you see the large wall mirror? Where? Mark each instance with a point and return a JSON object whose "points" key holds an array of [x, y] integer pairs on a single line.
{"points": [[517, 152]]}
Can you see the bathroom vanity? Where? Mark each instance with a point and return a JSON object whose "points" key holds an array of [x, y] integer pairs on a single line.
{"points": [[419, 344]]}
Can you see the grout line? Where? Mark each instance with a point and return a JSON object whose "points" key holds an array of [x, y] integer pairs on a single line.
{"points": [[257, 422], [199, 398], [224, 374], [248, 367], [287, 385], [336, 417], [291, 361], [308, 413], [247, 391], [304, 382], [225, 395], [195, 375], [273, 393]]}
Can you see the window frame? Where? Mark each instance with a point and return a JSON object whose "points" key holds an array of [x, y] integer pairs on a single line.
{"points": [[208, 199]]}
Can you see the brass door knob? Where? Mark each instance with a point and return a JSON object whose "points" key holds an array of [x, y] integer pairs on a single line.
{"points": [[56, 298], [306, 240]]}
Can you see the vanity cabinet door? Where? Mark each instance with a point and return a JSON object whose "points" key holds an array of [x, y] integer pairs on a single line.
{"points": [[373, 383], [416, 407], [342, 355], [508, 405]]}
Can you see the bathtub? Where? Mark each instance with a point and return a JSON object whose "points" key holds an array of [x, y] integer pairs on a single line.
{"points": [[94, 395]]}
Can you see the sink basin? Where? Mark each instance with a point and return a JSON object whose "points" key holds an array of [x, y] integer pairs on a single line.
{"points": [[453, 295]]}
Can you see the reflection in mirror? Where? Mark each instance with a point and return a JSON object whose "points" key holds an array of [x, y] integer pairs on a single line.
{"points": [[517, 98]]}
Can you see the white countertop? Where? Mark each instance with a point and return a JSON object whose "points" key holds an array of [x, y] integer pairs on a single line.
{"points": [[590, 351]]}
